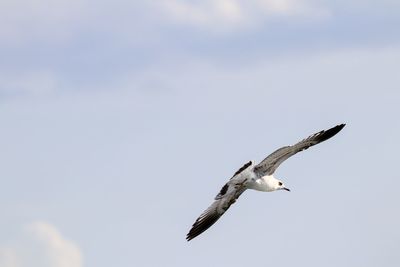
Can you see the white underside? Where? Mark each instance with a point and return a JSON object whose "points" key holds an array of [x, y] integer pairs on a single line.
{"points": [[262, 184]]}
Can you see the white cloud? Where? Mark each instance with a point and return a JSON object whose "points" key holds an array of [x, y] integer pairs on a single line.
{"points": [[40, 244], [57, 21], [233, 14], [290, 8], [8, 257], [219, 12]]}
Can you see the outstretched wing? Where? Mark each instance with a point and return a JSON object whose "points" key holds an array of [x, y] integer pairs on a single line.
{"points": [[228, 195], [213, 213], [272, 162]]}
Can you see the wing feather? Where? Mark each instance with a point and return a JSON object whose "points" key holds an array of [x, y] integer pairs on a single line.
{"points": [[272, 162], [215, 211]]}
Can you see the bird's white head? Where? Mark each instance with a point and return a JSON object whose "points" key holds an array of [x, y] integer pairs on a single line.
{"points": [[281, 186], [270, 183], [276, 184]]}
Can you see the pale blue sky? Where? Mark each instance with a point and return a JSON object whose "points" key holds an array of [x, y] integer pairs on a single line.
{"points": [[121, 121]]}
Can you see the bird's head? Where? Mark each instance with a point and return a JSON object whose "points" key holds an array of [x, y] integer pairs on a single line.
{"points": [[281, 186]]}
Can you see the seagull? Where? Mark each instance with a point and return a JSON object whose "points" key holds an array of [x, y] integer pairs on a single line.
{"points": [[257, 177]]}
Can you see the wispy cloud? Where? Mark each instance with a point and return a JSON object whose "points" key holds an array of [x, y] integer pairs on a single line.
{"points": [[220, 13], [40, 244], [60, 20], [236, 14], [71, 45]]}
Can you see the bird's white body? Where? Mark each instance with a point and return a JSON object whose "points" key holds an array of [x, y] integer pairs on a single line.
{"points": [[250, 180], [266, 183]]}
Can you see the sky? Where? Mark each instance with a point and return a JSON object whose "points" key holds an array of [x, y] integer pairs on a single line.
{"points": [[121, 120]]}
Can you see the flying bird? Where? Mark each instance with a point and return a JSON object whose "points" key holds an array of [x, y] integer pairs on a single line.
{"points": [[257, 177]]}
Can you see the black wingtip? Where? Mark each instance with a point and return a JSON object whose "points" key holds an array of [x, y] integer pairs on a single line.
{"points": [[325, 135], [192, 234], [188, 237], [202, 224], [338, 128]]}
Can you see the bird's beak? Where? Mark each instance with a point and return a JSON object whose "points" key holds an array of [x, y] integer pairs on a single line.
{"points": [[287, 189]]}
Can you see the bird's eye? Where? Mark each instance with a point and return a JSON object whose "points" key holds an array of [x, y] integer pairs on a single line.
{"points": [[280, 184]]}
